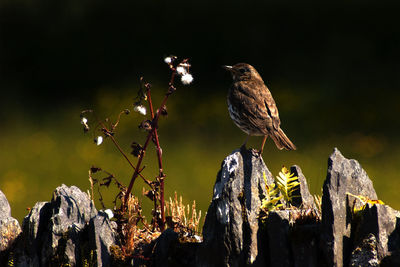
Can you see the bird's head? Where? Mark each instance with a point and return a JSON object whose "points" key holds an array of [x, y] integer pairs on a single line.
{"points": [[242, 72]]}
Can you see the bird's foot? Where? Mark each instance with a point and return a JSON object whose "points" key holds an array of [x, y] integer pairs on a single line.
{"points": [[258, 152], [243, 147], [255, 152]]}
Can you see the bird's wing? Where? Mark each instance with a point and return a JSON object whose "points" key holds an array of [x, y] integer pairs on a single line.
{"points": [[270, 106], [250, 106]]}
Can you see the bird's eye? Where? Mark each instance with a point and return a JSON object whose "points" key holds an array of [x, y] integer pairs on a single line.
{"points": [[242, 70]]}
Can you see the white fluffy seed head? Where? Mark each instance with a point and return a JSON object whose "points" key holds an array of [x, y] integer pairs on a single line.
{"points": [[98, 140], [84, 121], [187, 79], [141, 109], [168, 60], [181, 70], [187, 65]]}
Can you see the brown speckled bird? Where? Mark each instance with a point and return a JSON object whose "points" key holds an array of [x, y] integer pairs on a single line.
{"points": [[252, 107]]}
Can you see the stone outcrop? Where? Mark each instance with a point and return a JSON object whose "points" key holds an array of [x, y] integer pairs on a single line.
{"points": [[230, 232], [344, 176], [65, 231], [9, 227], [350, 228]]}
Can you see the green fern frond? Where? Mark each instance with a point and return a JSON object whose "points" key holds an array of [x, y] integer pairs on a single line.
{"points": [[271, 204], [279, 193], [287, 184], [270, 201]]}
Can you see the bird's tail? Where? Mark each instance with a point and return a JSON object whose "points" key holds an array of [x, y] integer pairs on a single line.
{"points": [[281, 140]]}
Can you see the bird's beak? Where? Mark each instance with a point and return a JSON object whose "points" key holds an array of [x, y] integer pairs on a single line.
{"points": [[229, 68]]}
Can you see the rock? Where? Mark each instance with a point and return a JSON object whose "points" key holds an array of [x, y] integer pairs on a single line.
{"points": [[384, 223], [277, 225], [34, 228], [71, 211], [365, 254], [290, 243], [304, 240], [173, 249], [306, 200], [344, 176], [230, 231], [163, 248], [393, 259], [52, 229], [102, 235], [5, 209], [9, 227]]}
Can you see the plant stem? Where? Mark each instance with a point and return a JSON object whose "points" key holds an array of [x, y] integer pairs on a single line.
{"points": [[136, 172], [126, 157], [107, 133], [160, 168], [150, 134]]}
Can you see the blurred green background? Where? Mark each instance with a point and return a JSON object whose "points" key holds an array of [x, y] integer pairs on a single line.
{"points": [[333, 69]]}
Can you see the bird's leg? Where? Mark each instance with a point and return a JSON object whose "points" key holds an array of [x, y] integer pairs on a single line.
{"points": [[245, 142], [263, 143]]}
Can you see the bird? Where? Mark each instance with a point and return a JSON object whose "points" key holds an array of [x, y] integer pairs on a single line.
{"points": [[252, 107]]}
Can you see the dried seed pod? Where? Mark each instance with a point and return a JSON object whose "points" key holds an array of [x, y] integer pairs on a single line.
{"points": [[163, 111], [145, 125], [150, 194], [94, 169], [136, 149]]}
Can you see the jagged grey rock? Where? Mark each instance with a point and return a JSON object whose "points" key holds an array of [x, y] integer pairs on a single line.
{"points": [[277, 225], [34, 228], [305, 200], [5, 209], [67, 228], [393, 259], [230, 231], [102, 235], [304, 245], [344, 176], [165, 243], [9, 226], [52, 229], [71, 211], [365, 254], [384, 223], [169, 250]]}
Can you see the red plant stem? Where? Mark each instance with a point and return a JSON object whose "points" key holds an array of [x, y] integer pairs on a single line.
{"points": [[159, 160], [160, 167], [150, 101], [135, 174], [159, 153], [150, 134], [126, 157], [157, 142], [121, 151]]}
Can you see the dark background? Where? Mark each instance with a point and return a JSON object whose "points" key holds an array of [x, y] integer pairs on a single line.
{"points": [[333, 69]]}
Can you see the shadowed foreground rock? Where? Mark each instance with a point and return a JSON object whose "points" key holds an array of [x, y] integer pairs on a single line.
{"points": [[58, 232], [344, 176], [287, 237], [69, 231], [9, 227], [102, 235], [230, 231]]}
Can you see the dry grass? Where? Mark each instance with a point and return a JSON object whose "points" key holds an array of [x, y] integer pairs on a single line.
{"points": [[182, 217], [136, 231]]}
